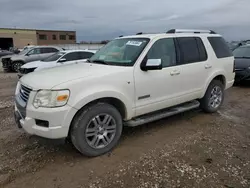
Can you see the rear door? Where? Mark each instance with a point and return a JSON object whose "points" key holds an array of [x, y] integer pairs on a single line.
{"points": [[193, 67]]}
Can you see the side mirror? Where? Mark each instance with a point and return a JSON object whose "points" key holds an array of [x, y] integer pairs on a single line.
{"points": [[27, 54], [151, 64], [62, 60]]}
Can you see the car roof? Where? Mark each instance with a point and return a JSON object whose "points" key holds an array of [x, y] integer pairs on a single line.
{"points": [[169, 35]]}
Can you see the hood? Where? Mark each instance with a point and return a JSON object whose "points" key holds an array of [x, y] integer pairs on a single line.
{"points": [[242, 63], [9, 56], [49, 78], [35, 64]]}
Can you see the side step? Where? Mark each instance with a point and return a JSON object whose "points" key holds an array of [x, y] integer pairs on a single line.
{"points": [[162, 114]]}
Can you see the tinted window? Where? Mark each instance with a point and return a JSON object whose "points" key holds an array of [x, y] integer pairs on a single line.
{"points": [[220, 47], [202, 49], [85, 55], [35, 51], [49, 50], [62, 37], [163, 49], [71, 56], [43, 37], [189, 52]]}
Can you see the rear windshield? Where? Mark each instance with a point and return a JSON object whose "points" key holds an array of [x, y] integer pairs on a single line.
{"points": [[220, 47]]}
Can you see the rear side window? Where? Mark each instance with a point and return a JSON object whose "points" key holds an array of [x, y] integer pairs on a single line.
{"points": [[85, 55], [220, 47], [49, 50], [191, 50]]}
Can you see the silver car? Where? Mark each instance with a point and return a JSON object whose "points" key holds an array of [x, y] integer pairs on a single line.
{"points": [[14, 62]]}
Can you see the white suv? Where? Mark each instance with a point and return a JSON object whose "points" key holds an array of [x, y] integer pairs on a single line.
{"points": [[130, 81]]}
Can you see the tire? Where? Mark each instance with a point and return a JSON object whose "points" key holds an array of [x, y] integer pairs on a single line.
{"points": [[206, 104], [16, 66], [90, 126]]}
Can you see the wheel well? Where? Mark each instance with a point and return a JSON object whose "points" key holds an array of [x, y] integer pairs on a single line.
{"points": [[114, 102], [221, 78], [119, 105], [16, 61]]}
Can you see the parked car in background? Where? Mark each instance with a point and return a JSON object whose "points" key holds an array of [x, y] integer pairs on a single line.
{"points": [[242, 63], [130, 81], [5, 52], [60, 58], [14, 62]]}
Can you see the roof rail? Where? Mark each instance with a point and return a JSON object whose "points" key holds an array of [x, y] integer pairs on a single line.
{"points": [[190, 31]]}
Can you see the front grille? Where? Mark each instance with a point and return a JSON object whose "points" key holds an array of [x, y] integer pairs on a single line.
{"points": [[24, 93], [6, 62], [26, 71]]}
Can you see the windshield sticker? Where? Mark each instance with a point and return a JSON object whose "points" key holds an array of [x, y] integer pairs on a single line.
{"points": [[134, 43]]}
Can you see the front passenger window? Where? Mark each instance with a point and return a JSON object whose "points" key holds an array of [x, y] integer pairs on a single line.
{"points": [[163, 49], [34, 51]]}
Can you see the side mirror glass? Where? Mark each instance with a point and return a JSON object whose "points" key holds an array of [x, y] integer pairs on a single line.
{"points": [[62, 60], [151, 64]]}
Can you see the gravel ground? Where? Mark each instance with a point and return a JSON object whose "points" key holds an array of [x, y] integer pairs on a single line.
{"points": [[188, 150]]}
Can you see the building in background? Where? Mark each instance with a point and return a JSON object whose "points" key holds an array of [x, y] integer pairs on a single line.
{"points": [[19, 38]]}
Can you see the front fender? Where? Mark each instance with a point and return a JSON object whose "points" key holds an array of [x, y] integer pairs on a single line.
{"points": [[210, 78], [87, 96], [14, 59]]}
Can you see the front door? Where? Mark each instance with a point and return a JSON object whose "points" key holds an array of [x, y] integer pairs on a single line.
{"points": [[158, 89], [33, 55]]}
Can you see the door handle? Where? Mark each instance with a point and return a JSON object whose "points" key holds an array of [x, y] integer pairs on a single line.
{"points": [[174, 72], [208, 66]]}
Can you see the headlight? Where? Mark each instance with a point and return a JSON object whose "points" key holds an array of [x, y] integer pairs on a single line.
{"points": [[50, 99]]}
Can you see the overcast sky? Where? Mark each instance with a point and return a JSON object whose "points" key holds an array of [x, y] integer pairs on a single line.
{"points": [[106, 19]]}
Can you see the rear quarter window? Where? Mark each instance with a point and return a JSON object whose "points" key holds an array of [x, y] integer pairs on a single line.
{"points": [[220, 47]]}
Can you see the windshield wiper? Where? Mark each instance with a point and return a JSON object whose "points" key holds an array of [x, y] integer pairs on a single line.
{"points": [[98, 61]]}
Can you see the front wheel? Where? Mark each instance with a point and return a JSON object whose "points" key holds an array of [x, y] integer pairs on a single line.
{"points": [[213, 98], [16, 66], [97, 129]]}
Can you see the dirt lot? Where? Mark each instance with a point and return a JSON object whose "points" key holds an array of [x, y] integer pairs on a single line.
{"points": [[188, 150]]}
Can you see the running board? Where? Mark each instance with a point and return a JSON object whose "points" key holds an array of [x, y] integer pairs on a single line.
{"points": [[162, 114]]}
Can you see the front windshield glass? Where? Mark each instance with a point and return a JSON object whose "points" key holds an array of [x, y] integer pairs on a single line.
{"points": [[25, 51], [242, 52], [121, 52], [54, 57]]}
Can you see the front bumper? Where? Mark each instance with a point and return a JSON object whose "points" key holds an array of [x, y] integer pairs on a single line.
{"points": [[6, 63], [59, 120], [241, 75]]}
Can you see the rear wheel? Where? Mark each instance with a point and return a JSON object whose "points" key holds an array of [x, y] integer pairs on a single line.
{"points": [[213, 98], [16, 66], [97, 129]]}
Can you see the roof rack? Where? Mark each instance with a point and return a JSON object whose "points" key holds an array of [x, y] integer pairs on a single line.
{"points": [[120, 36], [140, 33], [190, 31]]}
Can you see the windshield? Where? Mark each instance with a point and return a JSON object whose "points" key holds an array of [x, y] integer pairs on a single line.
{"points": [[25, 51], [54, 57], [242, 52], [121, 52]]}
